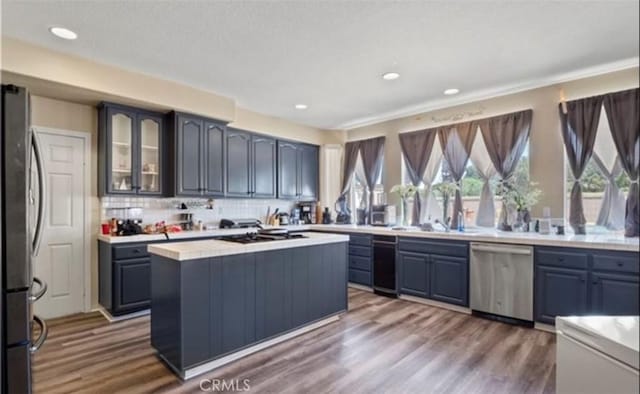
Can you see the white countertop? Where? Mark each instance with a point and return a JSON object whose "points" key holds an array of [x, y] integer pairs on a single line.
{"points": [[188, 234], [616, 336], [214, 248], [589, 241]]}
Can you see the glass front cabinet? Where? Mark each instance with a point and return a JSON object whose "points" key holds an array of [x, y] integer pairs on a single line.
{"points": [[131, 151]]}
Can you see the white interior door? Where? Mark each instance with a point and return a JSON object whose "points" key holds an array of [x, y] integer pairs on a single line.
{"points": [[61, 258]]}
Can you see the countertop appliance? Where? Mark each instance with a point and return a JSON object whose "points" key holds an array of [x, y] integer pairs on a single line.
{"points": [[307, 212], [384, 265], [383, 215], [250, 238], [597, 354], [284, 218], [239, 223], [502, 281], [21, 204]]}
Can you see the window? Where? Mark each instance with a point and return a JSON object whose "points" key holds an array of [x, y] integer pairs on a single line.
{"points": [[602, 215], [471, 185], [358, 196]]}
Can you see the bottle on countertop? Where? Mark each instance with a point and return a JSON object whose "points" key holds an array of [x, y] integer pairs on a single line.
{"points": [[460, 222]]}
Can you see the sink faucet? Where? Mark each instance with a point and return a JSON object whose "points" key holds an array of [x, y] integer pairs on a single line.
{"points": [[445, 224]]}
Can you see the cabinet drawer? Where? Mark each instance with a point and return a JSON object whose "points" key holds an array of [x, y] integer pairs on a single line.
{"points": [[130, 251], [360, 277], [561, 258], [364, 251], [358, 239], [458, 249], [614, 262], [359, 262]]}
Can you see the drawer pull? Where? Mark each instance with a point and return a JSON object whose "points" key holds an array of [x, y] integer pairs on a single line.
{"points": [[620, 263]]}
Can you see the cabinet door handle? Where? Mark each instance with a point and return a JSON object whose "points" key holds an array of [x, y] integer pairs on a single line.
{"points": [[620, 263]]}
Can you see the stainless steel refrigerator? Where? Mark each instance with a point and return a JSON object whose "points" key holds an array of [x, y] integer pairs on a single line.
{"points": [[22, 213]]}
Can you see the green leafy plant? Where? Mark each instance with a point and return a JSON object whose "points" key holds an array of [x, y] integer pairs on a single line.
{"points": [[404, 191], [519, 195]]}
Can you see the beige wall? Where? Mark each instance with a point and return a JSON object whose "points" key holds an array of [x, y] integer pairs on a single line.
{"points": [[546, 147], [64, 115]]}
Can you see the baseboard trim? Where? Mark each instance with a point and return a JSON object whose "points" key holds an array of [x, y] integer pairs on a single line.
{"points": [[544, 327], [211, 365], [361, 287], [114, 319], [438, 304]]}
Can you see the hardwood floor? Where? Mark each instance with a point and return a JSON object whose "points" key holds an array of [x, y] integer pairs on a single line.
{"points": [[381, 345]]}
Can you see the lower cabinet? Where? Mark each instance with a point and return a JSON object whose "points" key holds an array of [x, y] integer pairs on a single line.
{"points": [[124, 276], [361, 259], [560, 292], [448, 279], [132, 287], [614, 294], [435, 276], [414, 274], [570, 282]]}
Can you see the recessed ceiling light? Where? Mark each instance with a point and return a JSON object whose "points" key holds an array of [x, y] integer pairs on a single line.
{"points": [[63, 33], [450, 92], [390, 76], [301, 106]]}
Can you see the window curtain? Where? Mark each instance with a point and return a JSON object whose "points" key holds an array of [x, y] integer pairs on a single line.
{"points": [[431, 208], [611, 213], [486, 215], [579, 127], [351, 151], [622, 110], [372, 153], [505, 137], [416, 150], [456, 142]]}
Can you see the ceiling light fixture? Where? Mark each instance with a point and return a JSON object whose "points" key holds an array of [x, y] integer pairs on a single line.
{"points": [[301, 106], [63, 33], [450, 92], [390, 76]]}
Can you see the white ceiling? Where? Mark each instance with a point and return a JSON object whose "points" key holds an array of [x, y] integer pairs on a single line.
{"points": [[271, 55]]}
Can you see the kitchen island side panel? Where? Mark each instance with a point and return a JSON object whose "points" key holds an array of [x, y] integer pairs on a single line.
{"points": [[165, 309], [205, 309]]}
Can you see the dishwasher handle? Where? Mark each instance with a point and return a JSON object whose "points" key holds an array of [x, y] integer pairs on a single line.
{"points": [[501, 249]]}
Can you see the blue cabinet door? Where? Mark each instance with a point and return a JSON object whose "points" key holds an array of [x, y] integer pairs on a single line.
{"points": [[560, 292], [273, 300], [615, 294], [413, 274], [449, 279]]}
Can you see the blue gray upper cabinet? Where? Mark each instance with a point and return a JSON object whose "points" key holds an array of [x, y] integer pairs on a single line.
{"points": [[131, 151], [263, 165], [251, 165], [298, 171], [197, 153], [238, 178]]}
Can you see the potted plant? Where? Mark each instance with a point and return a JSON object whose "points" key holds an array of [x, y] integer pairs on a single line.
{"points": [[405, 192], [446, 190], [518, 197]]}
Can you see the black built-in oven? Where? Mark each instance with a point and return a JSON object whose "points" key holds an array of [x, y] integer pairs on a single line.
{"points": [[384, 265]]}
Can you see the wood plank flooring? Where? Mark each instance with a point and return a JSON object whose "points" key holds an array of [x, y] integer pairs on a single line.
{"points": [[382, 345]]}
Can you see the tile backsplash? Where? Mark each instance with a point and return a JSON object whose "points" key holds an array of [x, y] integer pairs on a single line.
{"points": [[154, 210]]}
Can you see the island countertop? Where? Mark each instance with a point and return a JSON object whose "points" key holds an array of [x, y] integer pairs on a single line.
{"points": [[213, 248]]}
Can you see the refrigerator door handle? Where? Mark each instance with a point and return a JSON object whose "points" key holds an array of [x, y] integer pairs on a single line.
{"points": [[44, 331], [42, 193], [43, 289]]}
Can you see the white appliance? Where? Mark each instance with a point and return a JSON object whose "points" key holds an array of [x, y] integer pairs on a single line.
{"points": [[597, 354], [502, 280]]}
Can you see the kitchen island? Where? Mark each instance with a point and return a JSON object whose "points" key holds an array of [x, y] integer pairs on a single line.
{"points": [[213, 301]]}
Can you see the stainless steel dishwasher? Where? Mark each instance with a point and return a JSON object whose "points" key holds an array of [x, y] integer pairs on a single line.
{"points": [[502, 280]]}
